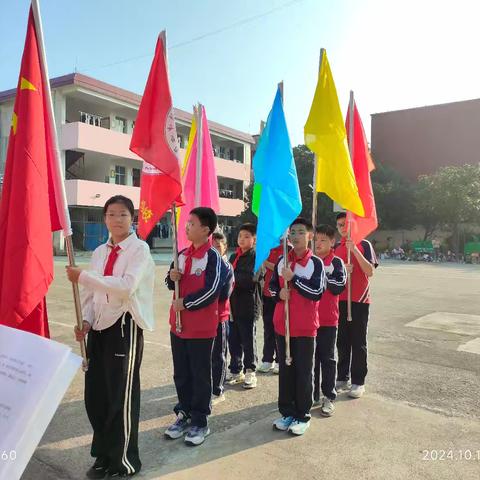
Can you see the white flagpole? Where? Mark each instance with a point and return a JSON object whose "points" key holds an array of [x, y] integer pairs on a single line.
{"points": [[60, 195], [315, 172], [351, 148]]}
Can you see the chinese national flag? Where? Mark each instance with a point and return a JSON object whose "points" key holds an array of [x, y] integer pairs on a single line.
{"points": [[29, 209], [360, 227], [155, 140]]}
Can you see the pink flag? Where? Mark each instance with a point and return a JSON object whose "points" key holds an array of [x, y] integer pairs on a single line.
{"points": [[360, 227], [208, 182]]}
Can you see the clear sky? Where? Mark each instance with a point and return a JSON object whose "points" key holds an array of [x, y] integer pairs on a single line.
{"points": [[230, 55]]}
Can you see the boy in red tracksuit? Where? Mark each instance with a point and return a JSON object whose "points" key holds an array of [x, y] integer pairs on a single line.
{"points": [[201, 274], [219, 352], [327, 309], [306, 277], [352, 335]]}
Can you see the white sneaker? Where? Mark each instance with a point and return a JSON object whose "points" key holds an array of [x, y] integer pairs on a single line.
{"points": [[341, 385], [356, 391], [298, 428], [216, 399], [283, 423], [276, 368], [236, 378], [265, 367], [327, 408], [250, 380]]}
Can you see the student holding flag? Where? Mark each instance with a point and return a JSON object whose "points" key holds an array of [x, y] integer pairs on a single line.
{"points": [[306, 274], [352, 333], [117, 305]]}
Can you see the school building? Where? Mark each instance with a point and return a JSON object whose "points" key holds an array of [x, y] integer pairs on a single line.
{"points": [[420, 140], [95, 121]]}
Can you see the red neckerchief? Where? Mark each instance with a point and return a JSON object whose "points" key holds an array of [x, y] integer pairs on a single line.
{"points": [[329, 256], [112, 258], [192, 252], [238, 253], [301, 261]]}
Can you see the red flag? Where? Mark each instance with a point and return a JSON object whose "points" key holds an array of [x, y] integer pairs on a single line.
{"points": [[155, 140], [363, 164], [29, 208]]}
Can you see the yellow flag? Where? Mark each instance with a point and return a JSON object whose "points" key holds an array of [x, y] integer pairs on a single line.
{"points": [[186, 159], [325, 135]]}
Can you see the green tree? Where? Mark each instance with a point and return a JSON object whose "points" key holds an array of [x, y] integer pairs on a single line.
{"points": [[395, 198], [451, 198]]}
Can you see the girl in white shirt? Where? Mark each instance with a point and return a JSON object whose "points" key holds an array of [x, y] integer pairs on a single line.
{"points": [[117, 305]]}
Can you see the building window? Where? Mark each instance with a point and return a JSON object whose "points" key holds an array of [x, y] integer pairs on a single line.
{"points": [[136, 177], [90, 119], [119, 175], [231, 154], [222, 152], [120, 125]]}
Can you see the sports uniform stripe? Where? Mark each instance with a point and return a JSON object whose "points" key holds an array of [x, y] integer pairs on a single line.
{"points": [[127, 405], [212, 289]]}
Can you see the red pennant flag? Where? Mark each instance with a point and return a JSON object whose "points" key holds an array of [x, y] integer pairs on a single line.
{"points": [[155, 140], [31, 208], [363, 164]]}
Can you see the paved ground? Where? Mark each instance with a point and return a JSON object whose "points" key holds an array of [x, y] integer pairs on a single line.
{"points": [[420, 418]]}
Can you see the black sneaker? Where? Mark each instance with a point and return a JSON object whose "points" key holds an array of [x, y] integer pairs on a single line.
{"points": [[98, 469]]}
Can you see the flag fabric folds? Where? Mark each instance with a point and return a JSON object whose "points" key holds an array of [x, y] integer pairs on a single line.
{"points": [[360, 227], [277, 193], [32, 204], [325, 135], [208, 195], [154, 139]]}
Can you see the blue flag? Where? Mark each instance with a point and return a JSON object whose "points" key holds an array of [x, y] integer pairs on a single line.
{"points": [[277, 197]]}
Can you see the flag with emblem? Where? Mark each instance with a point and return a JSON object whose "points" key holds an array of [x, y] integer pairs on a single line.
{"points": [[155, 140], [33, 197]]}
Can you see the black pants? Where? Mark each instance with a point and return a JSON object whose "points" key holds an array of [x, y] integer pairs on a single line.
{"points": [[112, 394], [219, 359], [352, 343], [325, 363], [192, 374], [269, 344], [295, 385], [242, 344]]}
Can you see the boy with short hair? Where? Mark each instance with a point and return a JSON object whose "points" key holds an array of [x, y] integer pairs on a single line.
{"points": [[327, 308], [246, 304], [201, 274], [306, 276], [352, 335], [219, 352]]}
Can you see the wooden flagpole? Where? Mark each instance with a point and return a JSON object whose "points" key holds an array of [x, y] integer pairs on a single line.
{"points": [[288, 357], [351, 148]]}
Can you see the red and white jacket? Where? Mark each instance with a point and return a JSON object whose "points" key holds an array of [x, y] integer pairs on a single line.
{"points": [[360, 282], [204, 275], [306, 289], [336, 275]]}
